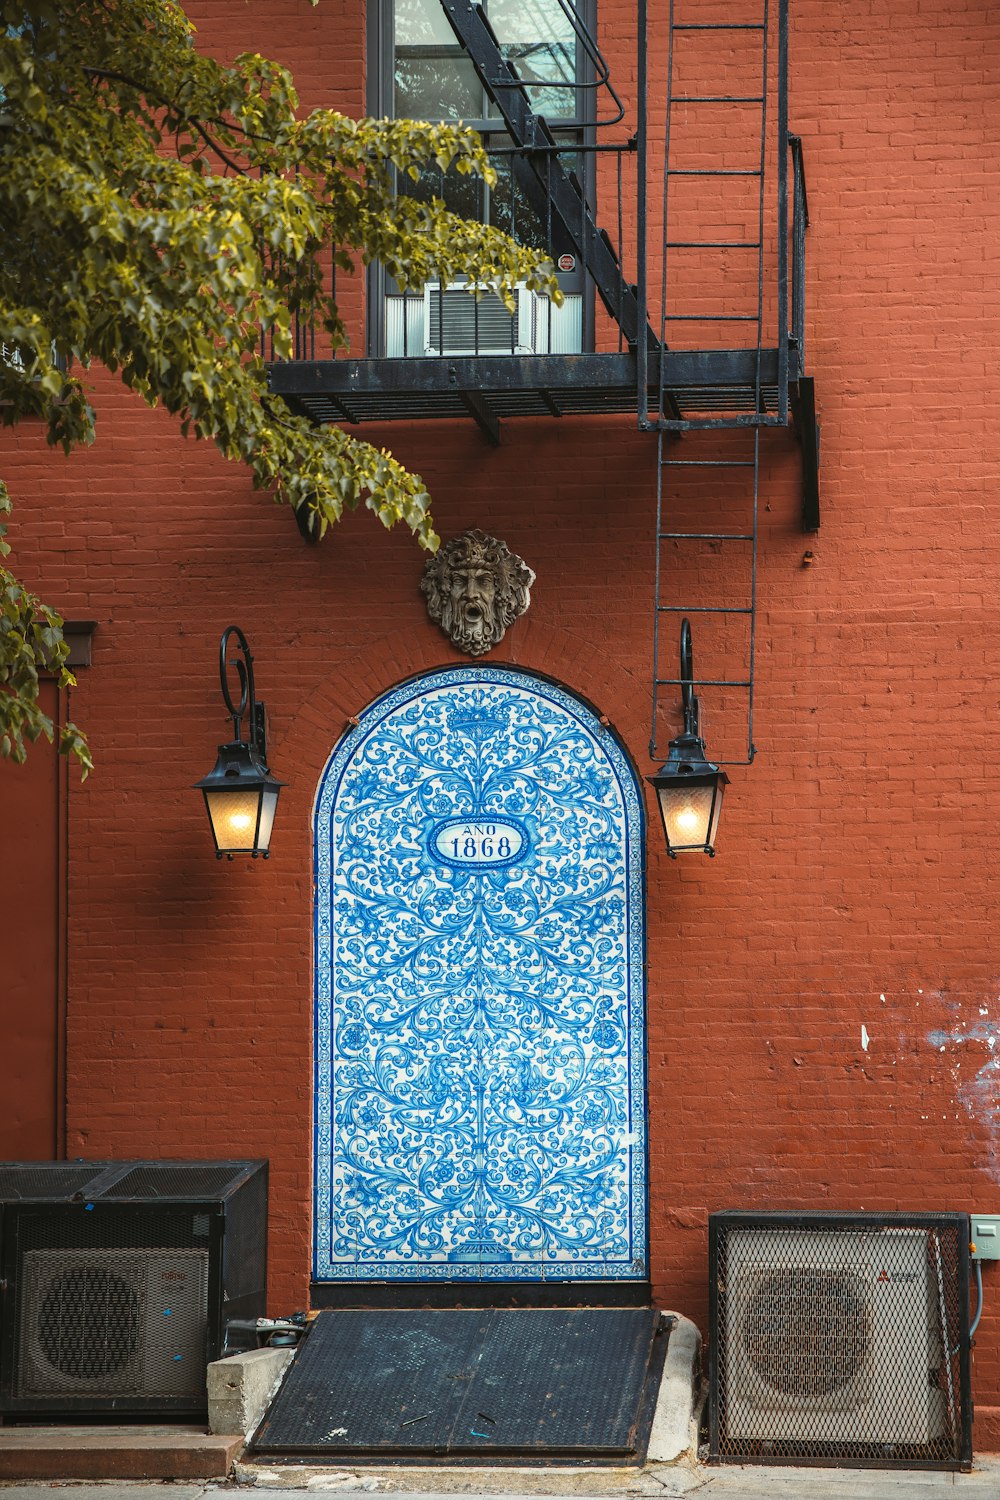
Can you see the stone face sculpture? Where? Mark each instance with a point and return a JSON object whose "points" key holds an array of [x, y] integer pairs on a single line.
{"points": [[475, 587]]}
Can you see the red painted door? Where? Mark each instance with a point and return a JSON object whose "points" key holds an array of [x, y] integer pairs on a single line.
{"points": [[30, 919]]}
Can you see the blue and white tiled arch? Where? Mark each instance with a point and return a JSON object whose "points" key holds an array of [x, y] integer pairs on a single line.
{"points": [[479, 1026]]}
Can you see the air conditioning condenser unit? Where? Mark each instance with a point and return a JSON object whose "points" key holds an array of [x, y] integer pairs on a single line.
{"points": [[113, 1323], [120, 1279], [839, 1338]]}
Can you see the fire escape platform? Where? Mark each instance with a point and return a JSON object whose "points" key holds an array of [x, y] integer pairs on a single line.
{"points": [[696, 384]]}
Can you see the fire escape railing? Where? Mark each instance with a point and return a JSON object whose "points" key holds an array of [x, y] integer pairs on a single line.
{"points": [[706, 393], [800, 223], [613, 336]]}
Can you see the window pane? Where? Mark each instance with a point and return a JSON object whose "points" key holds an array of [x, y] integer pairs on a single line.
{"points": [[520, 21], [462, 194], [422, 23], [434, 80], [436, 86], [510, 210], [537, 37]]}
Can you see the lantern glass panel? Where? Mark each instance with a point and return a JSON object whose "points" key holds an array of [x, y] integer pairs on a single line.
{"points": [[713, 831], [268, 804], [234, 818], [688, 814]]}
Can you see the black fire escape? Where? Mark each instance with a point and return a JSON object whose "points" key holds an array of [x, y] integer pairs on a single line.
{"points": [[696, 314]]}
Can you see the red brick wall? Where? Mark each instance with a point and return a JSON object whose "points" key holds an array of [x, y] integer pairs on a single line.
{"points": [[857, 867]]}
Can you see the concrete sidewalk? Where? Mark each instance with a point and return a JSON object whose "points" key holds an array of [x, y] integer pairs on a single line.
{"points": [[725, 1483]]}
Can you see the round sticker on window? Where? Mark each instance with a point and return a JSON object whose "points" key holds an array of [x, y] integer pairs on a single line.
{"points": [[566, 262]]}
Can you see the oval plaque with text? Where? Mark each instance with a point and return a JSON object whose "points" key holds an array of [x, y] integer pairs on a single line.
{"points": [[471, 843]]}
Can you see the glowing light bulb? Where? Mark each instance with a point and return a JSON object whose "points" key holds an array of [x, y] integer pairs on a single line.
{"points": [[688, 820], [240, 822]]}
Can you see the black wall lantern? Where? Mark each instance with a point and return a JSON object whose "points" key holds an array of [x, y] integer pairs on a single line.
{"points": [[688, 786], [241, 795]]}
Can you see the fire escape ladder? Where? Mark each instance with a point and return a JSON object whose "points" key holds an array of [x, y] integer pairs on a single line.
{"points": [[737, 119], [718, 85], [555, 194], [707, 505]]}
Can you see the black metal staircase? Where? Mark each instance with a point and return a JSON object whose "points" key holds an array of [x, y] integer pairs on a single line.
{"points": [[557, 195]]}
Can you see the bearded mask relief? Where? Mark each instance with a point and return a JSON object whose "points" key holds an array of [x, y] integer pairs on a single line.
{"points": [[475, 587]]}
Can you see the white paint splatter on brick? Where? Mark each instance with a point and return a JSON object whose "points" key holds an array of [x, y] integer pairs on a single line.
{"points": [[980, 1095]]}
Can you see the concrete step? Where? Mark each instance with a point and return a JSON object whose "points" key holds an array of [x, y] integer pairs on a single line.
{"points": [[99, 1452]]}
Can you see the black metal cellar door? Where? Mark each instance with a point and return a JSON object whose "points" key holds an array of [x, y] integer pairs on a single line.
{"points": [[510, 1382]]}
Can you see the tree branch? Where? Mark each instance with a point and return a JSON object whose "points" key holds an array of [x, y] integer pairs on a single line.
{"points": [[186, 119]]}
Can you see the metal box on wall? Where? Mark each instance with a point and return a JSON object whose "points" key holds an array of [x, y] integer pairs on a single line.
{"points": [[119, 1279]]}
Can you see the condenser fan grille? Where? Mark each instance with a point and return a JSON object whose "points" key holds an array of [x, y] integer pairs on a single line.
{"points": [[88, 1323], [806, 1331], [840, 1339], [100, 1322]]}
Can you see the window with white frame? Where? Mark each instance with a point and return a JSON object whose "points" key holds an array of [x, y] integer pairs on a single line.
{"points": [[425, 74]]}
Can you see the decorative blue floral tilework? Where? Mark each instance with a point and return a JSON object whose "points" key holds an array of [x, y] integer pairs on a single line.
{"points": [[480, 1069]]}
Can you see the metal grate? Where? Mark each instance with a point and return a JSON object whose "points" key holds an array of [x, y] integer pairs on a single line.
{"points": [[495, 1383], [171, 1180], [840, 1339], [44, 1179]]}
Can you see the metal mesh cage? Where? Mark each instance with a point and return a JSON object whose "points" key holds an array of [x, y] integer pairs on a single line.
{"points": [[840, 1339], [114, 1226], [245, 1248], [120, 1277]]}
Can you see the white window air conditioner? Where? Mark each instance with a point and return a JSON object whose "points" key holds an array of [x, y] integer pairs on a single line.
{"points": [[834, 1338], [458, 322]]}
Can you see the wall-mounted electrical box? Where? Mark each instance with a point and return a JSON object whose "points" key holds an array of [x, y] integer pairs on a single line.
{"points": [[985, 1236]]}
